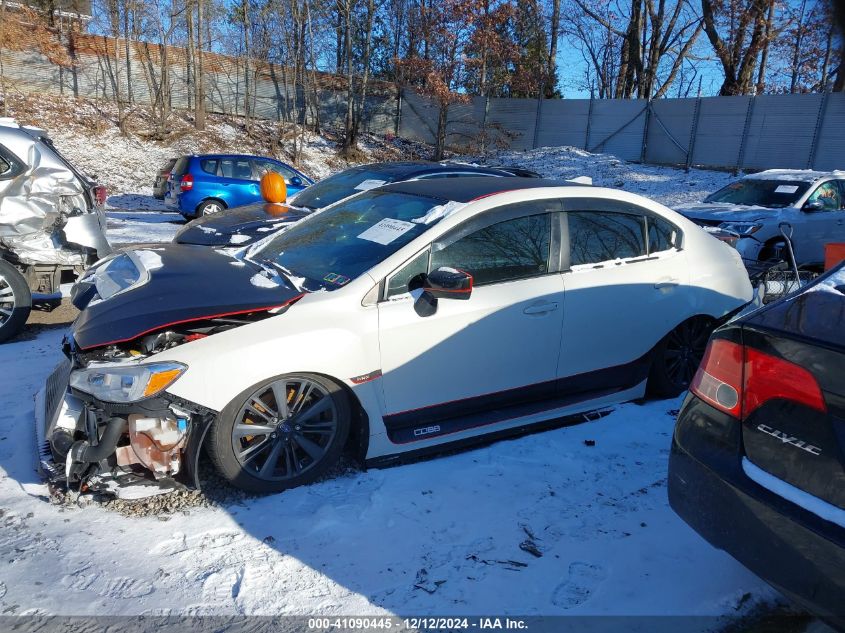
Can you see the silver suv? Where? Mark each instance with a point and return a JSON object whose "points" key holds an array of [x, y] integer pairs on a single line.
{"points": [[52, 224], [753, 208]]}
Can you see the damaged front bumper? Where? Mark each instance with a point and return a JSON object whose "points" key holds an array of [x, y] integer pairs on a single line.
{"points": [[129, 451]]}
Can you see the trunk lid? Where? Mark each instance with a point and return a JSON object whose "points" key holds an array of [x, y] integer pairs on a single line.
{"points": [[799, 444]]}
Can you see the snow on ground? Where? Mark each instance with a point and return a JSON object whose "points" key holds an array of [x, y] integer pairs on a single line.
{"points": [[667, 185], [450, 535], [440, 536]]}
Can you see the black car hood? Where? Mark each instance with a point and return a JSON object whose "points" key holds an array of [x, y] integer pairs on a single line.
{"points": [[186, 283], [239, 226]]}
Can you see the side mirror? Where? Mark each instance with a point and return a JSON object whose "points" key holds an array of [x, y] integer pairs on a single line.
{"points": [[443, 283], [448, 283], [812, 206], [296, 181]]}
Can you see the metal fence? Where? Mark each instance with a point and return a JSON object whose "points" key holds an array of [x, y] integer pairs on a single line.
{"points": [[736, 133], [97, 74], [802, 131]]}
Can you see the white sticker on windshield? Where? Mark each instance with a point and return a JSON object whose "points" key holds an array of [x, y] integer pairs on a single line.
{"points": [[386, 230], [369, 184], [786, 189]]}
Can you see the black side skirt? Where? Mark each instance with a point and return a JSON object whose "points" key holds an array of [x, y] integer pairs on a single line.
{"points": [[453, 417]]}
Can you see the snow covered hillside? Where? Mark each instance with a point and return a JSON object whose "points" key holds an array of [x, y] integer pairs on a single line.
{"points": [[572, 521]]}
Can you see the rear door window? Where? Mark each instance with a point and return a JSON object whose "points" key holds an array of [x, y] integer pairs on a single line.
{"points": [[662, 235], [209, 165], [239, 169], [596, 236]]}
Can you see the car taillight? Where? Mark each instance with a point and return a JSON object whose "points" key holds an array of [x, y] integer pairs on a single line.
{"points": [[187, 182], [718, 380], [738, 380], [100, 195]]}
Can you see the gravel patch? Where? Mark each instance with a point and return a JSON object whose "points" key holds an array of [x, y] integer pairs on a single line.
{"points": [[216, 492]]}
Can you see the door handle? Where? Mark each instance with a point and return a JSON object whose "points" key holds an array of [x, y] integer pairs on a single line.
{"points": [[541, 308], [669, 282]]}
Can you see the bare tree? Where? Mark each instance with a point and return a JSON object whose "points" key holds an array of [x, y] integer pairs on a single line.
{"points": [[737, 31], [23, 28]]}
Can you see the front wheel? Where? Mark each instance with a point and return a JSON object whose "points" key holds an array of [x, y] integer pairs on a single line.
{"points": [[15, 301], [677, 357], [282, 433]]}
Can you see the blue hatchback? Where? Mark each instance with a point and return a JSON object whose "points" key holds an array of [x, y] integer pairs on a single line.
{"points": [[209, 183]]}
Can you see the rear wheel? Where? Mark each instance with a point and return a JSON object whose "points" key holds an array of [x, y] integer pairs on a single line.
{"points": [[209, 207], [677, 357], [15, 301], [282, 433]]}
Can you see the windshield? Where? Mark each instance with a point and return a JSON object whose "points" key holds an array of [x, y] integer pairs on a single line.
{"points": [[331, 248], [774, 194], [340, 186]]}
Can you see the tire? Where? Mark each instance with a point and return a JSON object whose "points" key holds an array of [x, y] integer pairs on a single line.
{"points": [[305, 437], [15, 301], [677, 357], [209, 207]]}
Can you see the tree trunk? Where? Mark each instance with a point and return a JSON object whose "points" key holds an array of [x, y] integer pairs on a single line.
{"points": [[362, 97], [314, 83], [247, 65], [796, 50], [442, 119], [551, 71], [350, 89], [764, 56], [199, 77], [128, 56]]}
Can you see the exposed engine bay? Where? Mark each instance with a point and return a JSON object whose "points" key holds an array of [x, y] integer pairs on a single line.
{"points": [[129, 451], [105, 421]]}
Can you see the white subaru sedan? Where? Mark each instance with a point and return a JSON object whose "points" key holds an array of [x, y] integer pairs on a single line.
{"points": [[402, 320]]}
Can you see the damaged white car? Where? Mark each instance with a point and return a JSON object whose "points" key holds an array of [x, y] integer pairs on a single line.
{"points": [[52, 226], [402, 320]]}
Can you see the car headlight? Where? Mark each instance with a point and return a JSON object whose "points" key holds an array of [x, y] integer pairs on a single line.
{"points": [[741, 228], [126, 383], [118, 274]]}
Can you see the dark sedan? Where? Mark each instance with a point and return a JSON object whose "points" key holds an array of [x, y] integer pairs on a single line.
{"points": [[757, 463], [250, 223]]}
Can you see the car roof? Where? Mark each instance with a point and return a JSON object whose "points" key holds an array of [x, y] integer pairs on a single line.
{"points": [[471, 188], [405, 169], [796, 175], [244, 156]]}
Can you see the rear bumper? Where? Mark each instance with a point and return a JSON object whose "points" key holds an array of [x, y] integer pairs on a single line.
{"points": [[797, 553]]}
